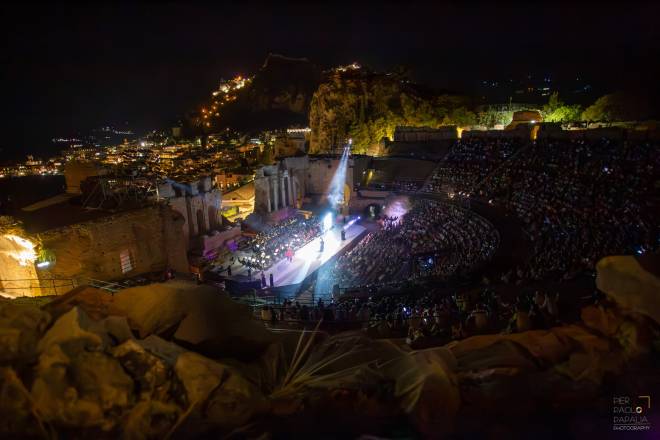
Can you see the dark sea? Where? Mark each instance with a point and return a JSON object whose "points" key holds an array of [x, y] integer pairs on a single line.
{"points": [[17, 192]]}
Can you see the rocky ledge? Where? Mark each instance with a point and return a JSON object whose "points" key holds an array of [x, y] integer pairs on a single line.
{"points": [[180, 360]]}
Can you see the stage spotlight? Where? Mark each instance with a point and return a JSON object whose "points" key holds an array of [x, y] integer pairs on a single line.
{"points": [[350, 223], [327, 222], [336, 188]]}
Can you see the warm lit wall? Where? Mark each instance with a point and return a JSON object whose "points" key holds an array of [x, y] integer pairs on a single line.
{"points": [[76, 171], [152, 235], [16, 279], [321, 172]]}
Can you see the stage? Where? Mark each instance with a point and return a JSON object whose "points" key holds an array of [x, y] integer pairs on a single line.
{"points": [[306, 259]]}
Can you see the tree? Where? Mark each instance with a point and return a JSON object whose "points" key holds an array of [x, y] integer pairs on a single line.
{"points": [[553, 103], [617, 106], [558, 111], [463, 117], [490, 117], [564, 113], [597, 111]]}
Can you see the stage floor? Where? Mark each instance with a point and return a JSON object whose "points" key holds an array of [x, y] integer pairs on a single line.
{"points": [[306, 260]]}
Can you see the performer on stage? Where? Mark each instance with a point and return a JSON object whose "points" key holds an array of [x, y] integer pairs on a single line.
{"points": [[343, 235], [322, 245]]}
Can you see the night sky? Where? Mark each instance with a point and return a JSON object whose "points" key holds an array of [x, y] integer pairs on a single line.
{"points": [[67, 68]]}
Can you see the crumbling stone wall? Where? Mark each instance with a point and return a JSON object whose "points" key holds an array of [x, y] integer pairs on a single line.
{"points": [[290, 181], [212, 201], [152, 237], [176, 244], [200, 206], [179, 205]]}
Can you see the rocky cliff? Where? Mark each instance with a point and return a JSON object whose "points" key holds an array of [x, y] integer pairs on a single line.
{"points": [[366, 107], [338, 104]]}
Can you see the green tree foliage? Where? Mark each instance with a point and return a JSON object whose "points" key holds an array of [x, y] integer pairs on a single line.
{"points": [[617, 106], [553, 103], [368, 109], [564, 113], [491, 117], [463, 117], [557, 111]]}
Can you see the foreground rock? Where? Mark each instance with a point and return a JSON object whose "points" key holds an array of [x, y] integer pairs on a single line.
{"points": [[21, 327], [196, 316], [115, 377], [630, 284]]}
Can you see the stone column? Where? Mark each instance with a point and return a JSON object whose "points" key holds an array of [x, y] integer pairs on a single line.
{"points": [[191, 217], [273, 183], [266, 185], [209, 222], [291, 193], [292, 181], [282, 190]]}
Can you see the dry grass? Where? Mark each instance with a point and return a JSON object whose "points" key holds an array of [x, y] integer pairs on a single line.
{"points": [[306, 368]]}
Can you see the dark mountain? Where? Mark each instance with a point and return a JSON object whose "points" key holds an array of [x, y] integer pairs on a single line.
{"points": [[277, 96], [346, 101]]}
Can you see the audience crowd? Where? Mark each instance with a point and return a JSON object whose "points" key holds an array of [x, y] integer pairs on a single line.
{"points": [[388, 254], [431, 317], [398, 185], [468, 162], [579, 200]]}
